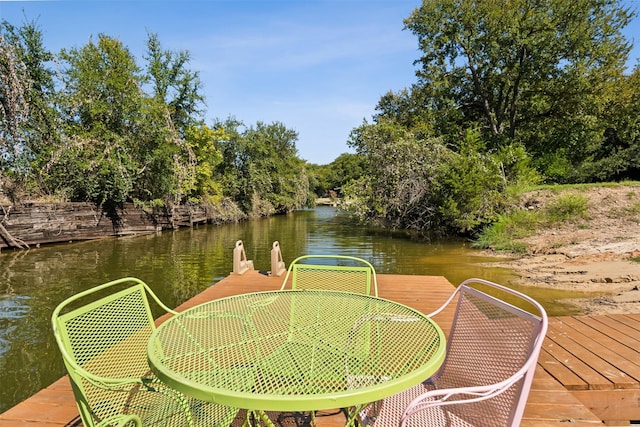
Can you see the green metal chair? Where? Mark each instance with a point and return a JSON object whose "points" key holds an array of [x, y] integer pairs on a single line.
{"points": [[103, 335], [332, 272]]}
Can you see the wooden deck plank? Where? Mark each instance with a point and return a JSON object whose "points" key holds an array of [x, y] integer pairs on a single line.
{"points": [[620, 356], [550, 403], [612, 405], [615, 339], [630, 320], [52, 406], [577, 367], [616, 329], [577, 345], [561, 372]]}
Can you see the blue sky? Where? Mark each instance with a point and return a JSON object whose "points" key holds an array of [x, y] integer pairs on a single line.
{"points": [[318, 66]]}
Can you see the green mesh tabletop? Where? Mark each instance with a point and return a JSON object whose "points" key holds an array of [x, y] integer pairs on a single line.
{"points": [[296, 350]]}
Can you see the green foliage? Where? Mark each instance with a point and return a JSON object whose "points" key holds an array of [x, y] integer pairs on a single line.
{"points": [[174, 84], [423, 186], [538, 74], [27, 116], [399, 173], [148, 204], [203, 141], [14, 86], [505, 232], [118, 143], [101, 108], [566, 207], [506, 98], [261, 169], [616, 158], [101, 137], [502, 235], [471, 186], [347, 167], [517, 166]]}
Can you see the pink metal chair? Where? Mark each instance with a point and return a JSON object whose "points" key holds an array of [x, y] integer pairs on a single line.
{"points": [[485, 379]]}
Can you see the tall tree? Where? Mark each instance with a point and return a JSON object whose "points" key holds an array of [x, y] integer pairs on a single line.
{"points": [[102, 106], [261, 169], [514, 65], [28, 128], [204, 141], [422, 185], [178, 87], [14, 87]]}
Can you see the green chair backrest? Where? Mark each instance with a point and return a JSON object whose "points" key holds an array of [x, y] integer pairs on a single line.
{"points": [[103, 338], [332, 272]]}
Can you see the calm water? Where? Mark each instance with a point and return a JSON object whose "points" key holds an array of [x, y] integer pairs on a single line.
{"points": [[179, 264]]}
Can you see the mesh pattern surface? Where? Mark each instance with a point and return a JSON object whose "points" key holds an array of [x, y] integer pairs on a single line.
{"points": [[489, 342], [109, 338], [348, 279], [332, 272], [294, 350]]}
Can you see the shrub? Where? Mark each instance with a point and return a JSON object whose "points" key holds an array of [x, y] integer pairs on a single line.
{"points": [[502, 234], [566, 207]]}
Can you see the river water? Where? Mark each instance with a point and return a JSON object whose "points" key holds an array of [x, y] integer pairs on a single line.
{"points": [[179, 264]]}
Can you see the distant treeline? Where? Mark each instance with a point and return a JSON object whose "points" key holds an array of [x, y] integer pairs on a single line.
{"points": [[505, 98]]}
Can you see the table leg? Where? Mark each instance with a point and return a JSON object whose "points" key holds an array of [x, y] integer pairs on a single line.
{"points": [[352, 415], [257, 418], [265, 419]]}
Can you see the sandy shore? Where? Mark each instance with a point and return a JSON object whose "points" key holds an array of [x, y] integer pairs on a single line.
{"points": [[599, 254]]}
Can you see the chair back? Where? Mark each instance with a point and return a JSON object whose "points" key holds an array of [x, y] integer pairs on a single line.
{"points": [[332, 272], [103, 337], [492, 342]]}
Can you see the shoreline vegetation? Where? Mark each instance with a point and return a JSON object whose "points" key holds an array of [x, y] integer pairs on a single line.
{"points": [[575, 237], [571, 237]]}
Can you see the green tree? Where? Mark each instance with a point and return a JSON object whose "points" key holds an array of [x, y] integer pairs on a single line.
{"points": [[176, 91], [400, 174], [14, 86], [28, 128], [531, 71], [421, 184], [173, 84], [203, 141], [261, 169], [318, 178], [617, 157], [347, 167], [102, 107]]}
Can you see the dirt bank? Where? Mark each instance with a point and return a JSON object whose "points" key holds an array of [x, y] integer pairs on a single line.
{"points": [[599, 254]]}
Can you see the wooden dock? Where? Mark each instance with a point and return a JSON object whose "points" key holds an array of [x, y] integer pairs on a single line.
{"points": [[588, 373]]}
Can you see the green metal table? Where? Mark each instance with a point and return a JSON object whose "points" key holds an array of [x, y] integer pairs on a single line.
{"points": [[296, 350]]}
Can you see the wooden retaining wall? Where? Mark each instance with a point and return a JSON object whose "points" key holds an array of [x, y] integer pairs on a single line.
{"points": [[29, 224]]}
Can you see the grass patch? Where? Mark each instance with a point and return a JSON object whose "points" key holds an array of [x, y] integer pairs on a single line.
{"points": [[631, 212], [564, 187], [569, 205], [566, 207], [502, 234]]}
